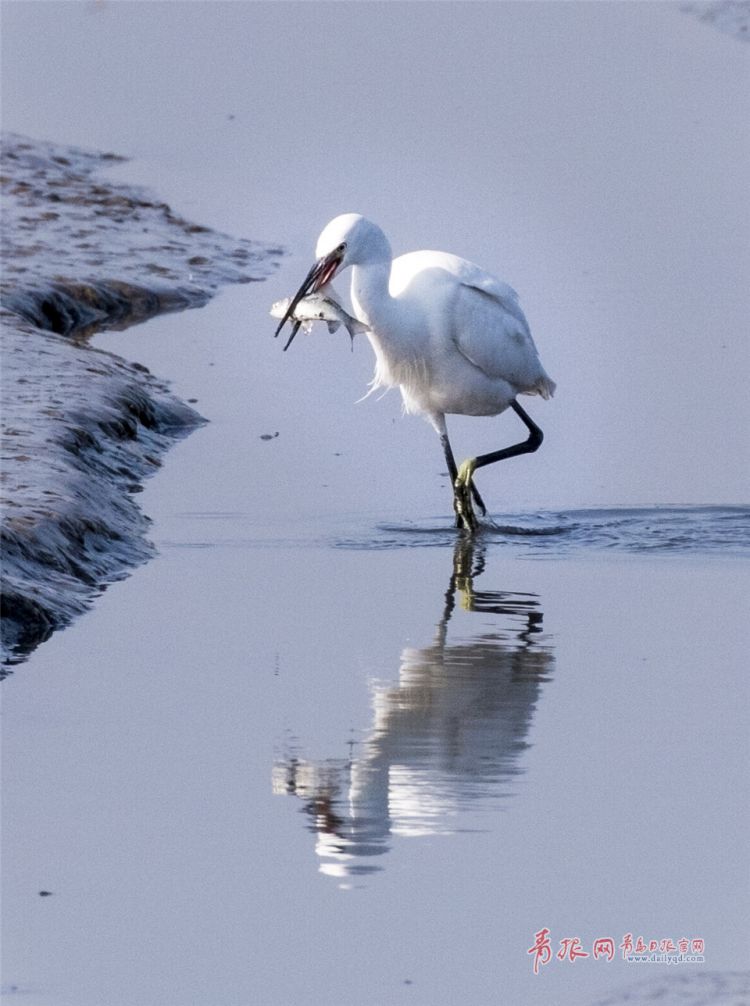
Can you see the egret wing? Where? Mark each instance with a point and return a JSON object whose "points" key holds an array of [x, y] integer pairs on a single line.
{"points": [[491, 331]]}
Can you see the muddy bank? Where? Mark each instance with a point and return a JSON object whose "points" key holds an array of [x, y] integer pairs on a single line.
{"points": [[82, 428]]}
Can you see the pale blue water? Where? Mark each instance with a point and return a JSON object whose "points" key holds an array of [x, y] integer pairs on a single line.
{"points": [[592, 777], [689, 530]]}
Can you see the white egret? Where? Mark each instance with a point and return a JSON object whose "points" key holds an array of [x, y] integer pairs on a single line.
{"points": [[452, 337]]}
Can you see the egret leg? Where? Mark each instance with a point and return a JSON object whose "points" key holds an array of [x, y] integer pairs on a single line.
{"points": [[464, 478], [462, 486], [453, 472]]}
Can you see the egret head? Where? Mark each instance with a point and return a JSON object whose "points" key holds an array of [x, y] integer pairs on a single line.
{"points": [[349, 239]]}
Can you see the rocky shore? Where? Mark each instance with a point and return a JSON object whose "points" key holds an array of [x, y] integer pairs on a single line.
{"points": [[82, 428]]}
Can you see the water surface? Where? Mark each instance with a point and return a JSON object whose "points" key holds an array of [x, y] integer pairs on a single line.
{"points": [[695, 530], [315, 753]]}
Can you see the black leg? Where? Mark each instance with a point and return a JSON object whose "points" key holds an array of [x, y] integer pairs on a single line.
{"points": [[449, 459], [527, 447], [465, 477]]}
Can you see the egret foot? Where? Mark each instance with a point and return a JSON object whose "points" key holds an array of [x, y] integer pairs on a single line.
{"points": [[477, 499], [463, 488]]}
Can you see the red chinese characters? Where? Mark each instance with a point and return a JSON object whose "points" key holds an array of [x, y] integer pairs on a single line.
{"points": [[604, 946], [542, 949], [570, 947], [634, 950]]}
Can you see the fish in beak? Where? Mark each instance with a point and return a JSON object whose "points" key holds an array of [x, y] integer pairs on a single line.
{"points": [[321, 273]]}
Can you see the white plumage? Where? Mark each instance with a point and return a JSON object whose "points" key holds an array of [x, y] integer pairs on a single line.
{"points": [[451, 336]]}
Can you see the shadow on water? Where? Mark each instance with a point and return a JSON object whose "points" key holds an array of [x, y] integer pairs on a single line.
{"points": [[447, 737]]}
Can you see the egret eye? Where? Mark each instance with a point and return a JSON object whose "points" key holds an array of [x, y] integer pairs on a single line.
{"points": [[342, 246]]}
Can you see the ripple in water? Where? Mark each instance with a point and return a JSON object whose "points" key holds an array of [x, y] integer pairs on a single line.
{"points": [[695, 530]]}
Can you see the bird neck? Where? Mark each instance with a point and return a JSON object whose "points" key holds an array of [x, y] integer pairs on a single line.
{"points": [[371, 299]]}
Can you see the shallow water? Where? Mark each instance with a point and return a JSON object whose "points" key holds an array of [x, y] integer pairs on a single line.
{"points": [[244, 765], [321, 721], [690, 530], [697, 531], [318, 751]]}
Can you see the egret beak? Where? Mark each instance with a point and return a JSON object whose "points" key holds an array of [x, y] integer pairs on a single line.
{"points": [[321, 273]]}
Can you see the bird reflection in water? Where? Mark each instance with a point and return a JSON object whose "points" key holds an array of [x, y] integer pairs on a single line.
{"points": [[447, 738]]}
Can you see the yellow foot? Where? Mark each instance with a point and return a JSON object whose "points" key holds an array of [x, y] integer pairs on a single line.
{"points": [[462, 489]]}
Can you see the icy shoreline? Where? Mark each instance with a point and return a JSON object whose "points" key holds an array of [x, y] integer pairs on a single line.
{"points": [[82, 428]]}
